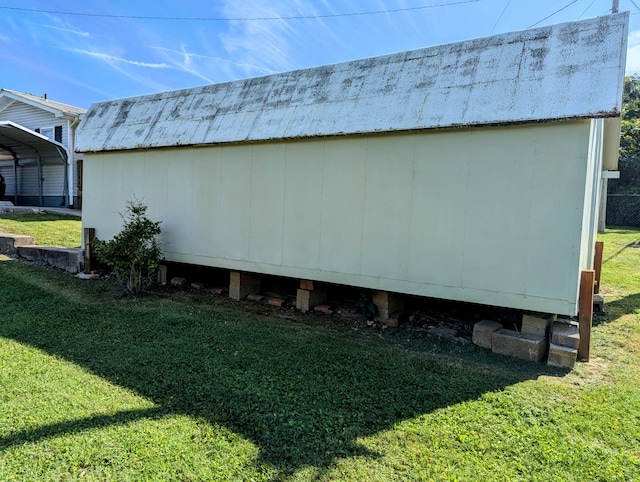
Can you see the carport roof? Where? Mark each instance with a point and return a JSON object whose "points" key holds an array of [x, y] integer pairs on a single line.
{"points": [[17, 143]]}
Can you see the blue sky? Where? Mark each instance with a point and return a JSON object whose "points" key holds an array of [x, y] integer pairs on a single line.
{"points": [[108, 51]]}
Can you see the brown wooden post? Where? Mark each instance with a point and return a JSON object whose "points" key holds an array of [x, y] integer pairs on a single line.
{"points": [[597, 265], [585, 313], [89, 234]]}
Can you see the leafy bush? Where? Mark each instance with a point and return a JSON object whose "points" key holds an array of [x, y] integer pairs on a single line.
{"points": [[134, 253]]}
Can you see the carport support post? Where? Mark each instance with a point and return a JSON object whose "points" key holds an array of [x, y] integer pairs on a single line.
{"points": [[585, 313]]}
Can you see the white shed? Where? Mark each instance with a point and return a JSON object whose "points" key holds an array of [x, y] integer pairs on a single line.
{"points": [[468, 171]]}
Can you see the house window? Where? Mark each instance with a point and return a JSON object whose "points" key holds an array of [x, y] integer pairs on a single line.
{"points": [[54, 133]]}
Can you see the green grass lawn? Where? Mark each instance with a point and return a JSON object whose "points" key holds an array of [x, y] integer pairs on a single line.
{"points": [[46, 229], [192, 387]]}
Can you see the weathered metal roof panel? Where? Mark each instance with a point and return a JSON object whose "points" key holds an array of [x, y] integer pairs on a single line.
{"points": [[566, 71]]}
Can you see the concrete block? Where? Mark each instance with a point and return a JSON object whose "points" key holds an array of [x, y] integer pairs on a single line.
{"points": [[9, 243], [178, 281], [523, 346], [537, 323], [387, 303], [306, 284], [326, 309], [598, 304], [241, 284], [69, 259], [394, 319], [565, 334], [306, 300], [162, 274], [562, 356], [482, 332]]}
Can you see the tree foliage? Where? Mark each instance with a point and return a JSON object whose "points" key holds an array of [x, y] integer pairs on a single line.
{"points": [[630, 136], [134, 253]]}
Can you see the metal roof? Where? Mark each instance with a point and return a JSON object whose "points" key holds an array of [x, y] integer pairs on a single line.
{"points": [[24, 146], [566, 71], [58, 108]]}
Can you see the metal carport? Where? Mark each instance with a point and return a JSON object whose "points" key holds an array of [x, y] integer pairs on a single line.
{"points": [[21, 147]]}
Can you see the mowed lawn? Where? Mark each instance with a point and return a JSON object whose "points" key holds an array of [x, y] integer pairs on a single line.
{"points": [[47, 229], [192, 387]]}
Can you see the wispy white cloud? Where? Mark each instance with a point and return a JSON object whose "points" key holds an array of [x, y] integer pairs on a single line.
{"points": [[68, 30], [114, 59], [188, 62], [268, 44]]}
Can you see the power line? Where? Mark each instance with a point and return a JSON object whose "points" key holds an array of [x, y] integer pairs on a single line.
{"points": [[585, 10], [241, 19], [634, 4], [503, 10], [557, 11]]}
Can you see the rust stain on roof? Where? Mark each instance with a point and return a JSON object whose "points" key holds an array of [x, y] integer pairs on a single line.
{"points": [[566, 71]]}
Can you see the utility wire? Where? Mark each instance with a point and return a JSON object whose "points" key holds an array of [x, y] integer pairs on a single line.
{"points": [[634, 4], [585, 10], [503, 10], [241, 19], [549, 16]]}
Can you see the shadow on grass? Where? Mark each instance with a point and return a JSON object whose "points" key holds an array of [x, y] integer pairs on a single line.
{"points": [[303, 394], [75, 426], [615, 309]]}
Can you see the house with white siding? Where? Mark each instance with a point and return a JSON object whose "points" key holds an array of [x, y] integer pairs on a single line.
{"points": [[470, 171], [37, 158]]}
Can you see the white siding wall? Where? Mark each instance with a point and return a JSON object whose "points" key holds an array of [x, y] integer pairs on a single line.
{"points": [[489, 215]]}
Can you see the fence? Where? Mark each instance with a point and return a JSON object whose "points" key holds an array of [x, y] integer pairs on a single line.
{"points": [[623, 210]]}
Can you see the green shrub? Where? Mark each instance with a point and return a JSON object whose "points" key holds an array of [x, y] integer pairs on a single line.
{"points": [[133, 253]]}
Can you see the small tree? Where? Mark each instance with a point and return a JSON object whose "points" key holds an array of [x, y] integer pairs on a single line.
{"points": [[133, 253]]}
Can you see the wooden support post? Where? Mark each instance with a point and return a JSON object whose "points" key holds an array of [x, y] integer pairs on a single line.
{"points": [[585, 313], [597, 265], [89, 235]]}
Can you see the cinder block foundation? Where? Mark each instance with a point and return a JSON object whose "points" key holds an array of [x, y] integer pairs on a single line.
{"points": [[598, 304], [162, 274], [482, 332], [306, 300], [537, 324], [523, 346], [387, 303], [565, 334], [562, 356], [242, 284]]}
